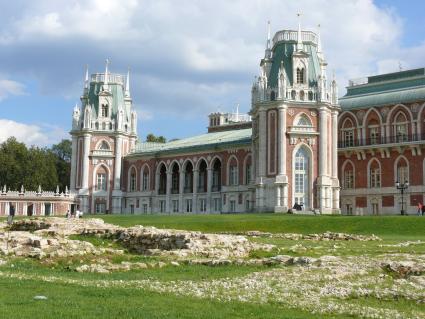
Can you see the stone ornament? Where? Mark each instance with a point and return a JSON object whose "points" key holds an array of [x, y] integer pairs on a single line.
{"points": [[291, 112], [360, 115], [313, 113]]}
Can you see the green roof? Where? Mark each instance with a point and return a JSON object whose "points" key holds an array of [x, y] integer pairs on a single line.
{"points": [[283, 51], [393, 88], [117, 92], [209, 141]]}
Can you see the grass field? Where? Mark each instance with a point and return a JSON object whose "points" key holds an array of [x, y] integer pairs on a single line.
{"points": [[399, 226], [179, 292]]}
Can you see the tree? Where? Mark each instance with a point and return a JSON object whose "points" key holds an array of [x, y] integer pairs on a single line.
{"points": [[63, 152], [155, 139]]}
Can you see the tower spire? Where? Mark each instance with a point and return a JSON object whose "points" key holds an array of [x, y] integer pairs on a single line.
{"points": [[268, 42], [86, 78], [299, 37], [105, 82], [319, 43], [127, 84]]}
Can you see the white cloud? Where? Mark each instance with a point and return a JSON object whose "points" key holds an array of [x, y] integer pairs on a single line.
{"points": [[40, 135], [189, 57], [9, 87]]}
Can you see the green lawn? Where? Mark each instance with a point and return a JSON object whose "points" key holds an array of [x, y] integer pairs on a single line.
{"points": [[124, 295], [69, 301], [398, 226]]}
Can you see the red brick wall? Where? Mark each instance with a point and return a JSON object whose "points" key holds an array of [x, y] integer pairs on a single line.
{"points": [[387, 201], [361, 202]]}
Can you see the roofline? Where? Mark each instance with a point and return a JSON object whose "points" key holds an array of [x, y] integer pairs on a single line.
{"points": [[213, 146]]}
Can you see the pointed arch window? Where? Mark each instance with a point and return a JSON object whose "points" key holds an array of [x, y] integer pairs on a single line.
{"points": [[402, 171], [374, 175], [101, 182], [401, 127], [145, 180], [133, 180], [104, 146], [304, 121], [301, 177], [300, 75]]}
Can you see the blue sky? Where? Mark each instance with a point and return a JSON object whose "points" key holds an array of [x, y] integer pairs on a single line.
{"points": [[187, 58]]}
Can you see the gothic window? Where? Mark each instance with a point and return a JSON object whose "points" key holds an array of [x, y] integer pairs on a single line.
{"points": [[304, 121], [347, 133], [104, 146], [188, 178], [248, 173], [348, 179], [104, 110], [400, 127], [175, 179], [216, 185], [310, 96], [293, 94], [145, 180], [402, 171], [233, 173], [272, 96], [374, 134], [101, 182], [301, 177], [133, 180], [162, 180], [300, 75], [374, 175], [302, 95]]}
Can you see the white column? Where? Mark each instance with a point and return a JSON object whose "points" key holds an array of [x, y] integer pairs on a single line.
{"points": [[209, 188], [323, 146], [181, 191], [168, 193], [282, 141], [262, 127], [73, 163], [195, 191], [117, 170], [335, 144], [278, 195], [86, 161]]}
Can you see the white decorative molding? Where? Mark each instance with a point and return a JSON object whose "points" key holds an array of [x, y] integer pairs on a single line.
{"points": [[291, 112], [313, 113]]}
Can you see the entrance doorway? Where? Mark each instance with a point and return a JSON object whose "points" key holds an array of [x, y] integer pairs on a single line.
{"points": [[47, 209], [301, 182], [30, 209]]}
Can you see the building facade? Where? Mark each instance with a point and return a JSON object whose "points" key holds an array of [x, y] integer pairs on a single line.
{"points": [[282, 155], [381, 137]]}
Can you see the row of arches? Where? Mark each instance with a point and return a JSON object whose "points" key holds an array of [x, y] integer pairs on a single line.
{"points": [[401, 173], [190, 177], [399, 125]]}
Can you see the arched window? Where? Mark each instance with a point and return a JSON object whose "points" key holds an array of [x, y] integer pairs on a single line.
{"points": [[233, 172], [347, 133], [162, 180], [104, 110], [400, 127], [133, 179], [303, 120], [348, 177], [301, 177], [300, 75], [248, 170], [188, 178], [101, 179], [216, 183], [272, 96], [145, 179], [374, 174], [104, 146], [302, 95], [402, 171], [202, 177], [175, 179], [374, 132], [293, 94]]}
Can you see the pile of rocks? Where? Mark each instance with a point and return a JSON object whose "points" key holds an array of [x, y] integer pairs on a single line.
{"points": [[319, 237], [404, 269], [48, 237]]}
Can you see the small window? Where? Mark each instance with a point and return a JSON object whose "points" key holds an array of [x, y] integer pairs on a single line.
{"points": [[300, 75], [104, 110], [101, 182], [104, 146]]}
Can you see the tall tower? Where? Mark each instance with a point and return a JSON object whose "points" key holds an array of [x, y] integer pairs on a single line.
{"points": [[294, 113], [104, 130]]}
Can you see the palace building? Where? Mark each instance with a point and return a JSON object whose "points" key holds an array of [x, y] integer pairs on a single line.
{"points": [[283, 154], [381, 137], [290, 152]]}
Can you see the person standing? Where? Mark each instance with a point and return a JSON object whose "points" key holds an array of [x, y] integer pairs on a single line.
{"points": [[419, 208], [11, 215]]}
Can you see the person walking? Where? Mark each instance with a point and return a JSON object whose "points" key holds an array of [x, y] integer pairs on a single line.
{"points": [[11, 215]]}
